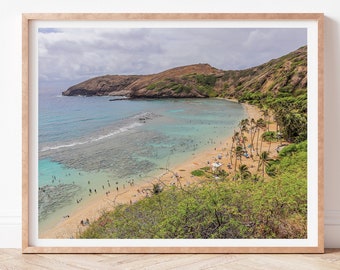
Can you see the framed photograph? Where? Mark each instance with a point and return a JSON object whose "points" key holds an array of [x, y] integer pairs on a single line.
{"points": [[172, 133]]}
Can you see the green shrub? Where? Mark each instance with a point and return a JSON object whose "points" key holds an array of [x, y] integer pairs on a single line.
{"points": [[198, 173]]}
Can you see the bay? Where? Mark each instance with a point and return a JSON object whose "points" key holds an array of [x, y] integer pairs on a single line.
{"points": [[92, 145]]}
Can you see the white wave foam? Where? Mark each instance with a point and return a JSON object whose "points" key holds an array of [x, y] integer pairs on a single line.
{"points": [[56, 147], [130, 123], [95, 139], [120, 130]]}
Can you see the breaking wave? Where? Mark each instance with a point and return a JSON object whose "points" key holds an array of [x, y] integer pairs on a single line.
{"points": [[119, 128]]}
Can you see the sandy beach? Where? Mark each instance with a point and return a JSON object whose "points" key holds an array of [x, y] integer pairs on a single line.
{"points": [[71, 226]]}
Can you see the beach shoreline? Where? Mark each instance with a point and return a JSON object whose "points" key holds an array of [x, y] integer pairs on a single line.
{"points": [[76, 222]]}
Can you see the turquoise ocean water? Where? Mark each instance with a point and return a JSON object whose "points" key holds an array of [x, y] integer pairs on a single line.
{"points": [[90, 145]]}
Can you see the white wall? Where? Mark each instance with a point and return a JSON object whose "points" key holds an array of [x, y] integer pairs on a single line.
{"points": [[10, 87]]}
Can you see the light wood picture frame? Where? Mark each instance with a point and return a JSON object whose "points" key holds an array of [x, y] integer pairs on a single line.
{"points": [[306, 224]]}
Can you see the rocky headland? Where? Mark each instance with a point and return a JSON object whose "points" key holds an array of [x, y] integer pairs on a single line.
{"points": [[285, 74]]}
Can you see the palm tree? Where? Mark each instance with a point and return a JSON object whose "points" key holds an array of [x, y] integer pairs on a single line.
{"points": [[243, 125], [234, 140], [260, 123], [291, 119], [294, 123], [263, 161], [236, 137], [238, 153], [269, 136], [244, 140], [252, 132], [266, 117], [244, 171]]}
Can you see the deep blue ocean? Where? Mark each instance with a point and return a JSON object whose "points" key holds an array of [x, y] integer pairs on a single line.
{"points": [[92, 142]]}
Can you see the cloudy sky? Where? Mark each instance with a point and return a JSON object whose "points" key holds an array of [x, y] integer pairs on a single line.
{"points": [[69, 55]]}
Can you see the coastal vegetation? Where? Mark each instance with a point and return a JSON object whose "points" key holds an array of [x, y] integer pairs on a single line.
{"points": [[266, 200], [220, 206], [263, 198]]}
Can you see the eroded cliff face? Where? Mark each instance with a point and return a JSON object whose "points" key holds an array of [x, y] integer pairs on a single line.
{"points": [[170, 83], [287, 73], [102, 86]]}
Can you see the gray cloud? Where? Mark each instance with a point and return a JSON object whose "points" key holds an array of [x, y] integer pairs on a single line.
{"points": [[71, 55]]}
